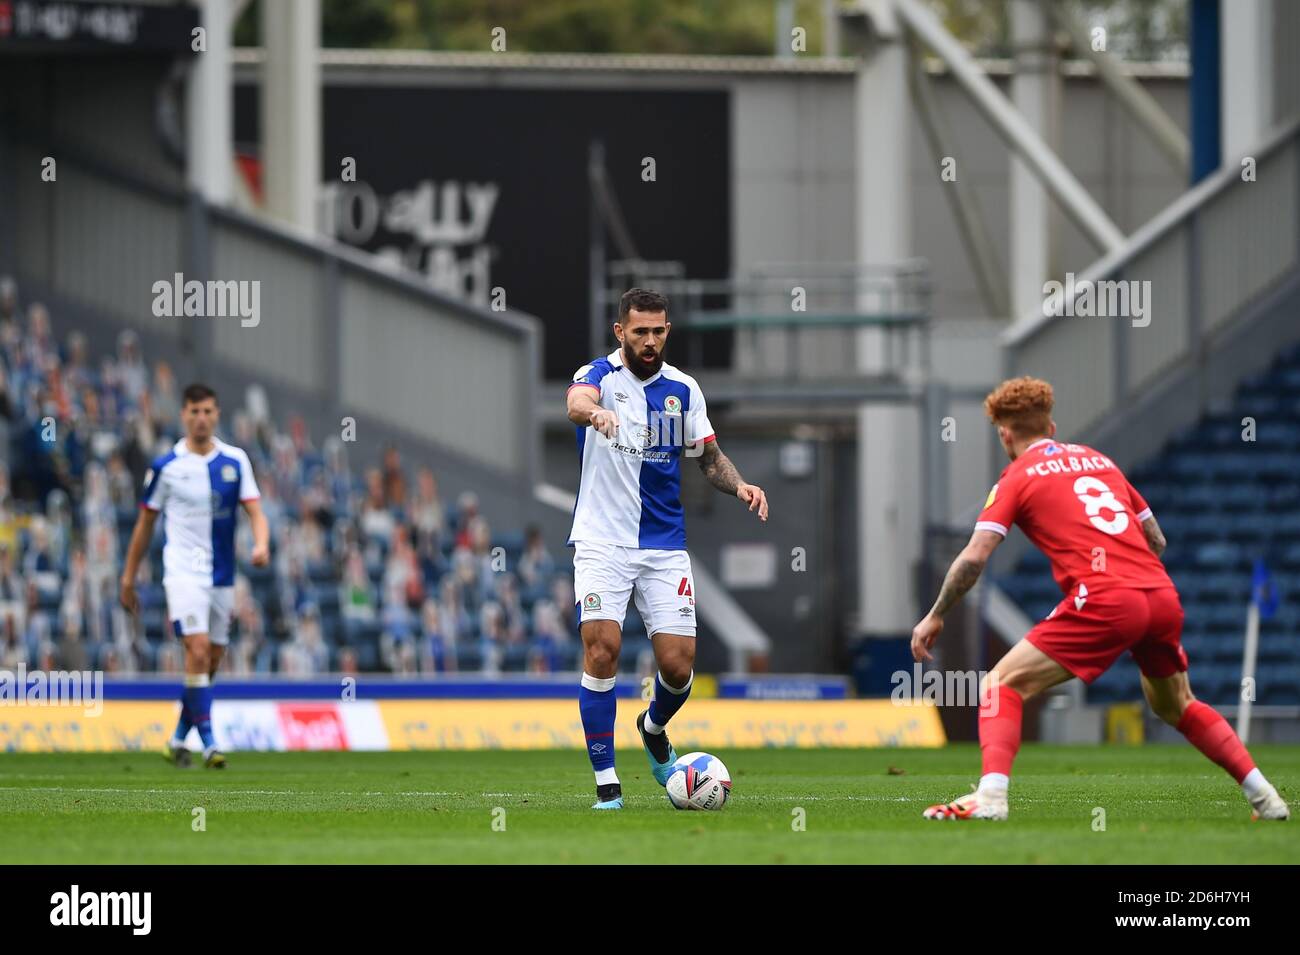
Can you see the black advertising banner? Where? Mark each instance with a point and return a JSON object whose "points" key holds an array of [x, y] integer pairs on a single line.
{"points": [[49, 26], [480, 189]]}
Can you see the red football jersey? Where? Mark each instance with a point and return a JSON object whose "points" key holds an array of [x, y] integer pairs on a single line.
{"points": [[1076, 506]]}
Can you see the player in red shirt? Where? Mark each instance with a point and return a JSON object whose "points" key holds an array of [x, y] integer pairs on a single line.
{"points": [[1076, 506]]}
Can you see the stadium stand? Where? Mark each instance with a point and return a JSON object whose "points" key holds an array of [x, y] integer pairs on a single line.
{"points": [[371, 571], [1224, 499]]}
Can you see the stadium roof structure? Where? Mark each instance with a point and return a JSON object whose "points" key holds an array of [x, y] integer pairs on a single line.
{"points": [[662, 63]]}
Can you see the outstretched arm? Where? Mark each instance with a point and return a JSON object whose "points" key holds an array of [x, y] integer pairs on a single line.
{"points": [[583, 407], [961, 577], [722, 474]]}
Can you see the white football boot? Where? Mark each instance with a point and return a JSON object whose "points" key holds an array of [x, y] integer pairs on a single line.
{"points": [[975, 805], [1270, 805]]}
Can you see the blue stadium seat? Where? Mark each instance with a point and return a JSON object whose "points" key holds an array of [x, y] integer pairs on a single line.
{"points": [[1222, 502], [321, 572], [1279, 685], [1279, 648]]}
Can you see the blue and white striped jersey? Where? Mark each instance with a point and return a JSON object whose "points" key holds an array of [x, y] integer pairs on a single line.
{"points": [[630, 489], [199, 496]]}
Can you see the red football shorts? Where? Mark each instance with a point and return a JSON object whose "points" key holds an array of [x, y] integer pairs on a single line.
{"points": [[1087, 634]]}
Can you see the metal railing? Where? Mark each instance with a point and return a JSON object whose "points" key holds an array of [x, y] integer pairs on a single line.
{"points": [[798, 321]]}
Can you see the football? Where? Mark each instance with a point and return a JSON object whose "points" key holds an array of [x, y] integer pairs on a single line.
{"points": [[699, 781]]}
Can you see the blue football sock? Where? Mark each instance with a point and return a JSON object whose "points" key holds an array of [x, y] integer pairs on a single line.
{"points": [[183, 725], [198, 699], [597, 705], [667, 700]]}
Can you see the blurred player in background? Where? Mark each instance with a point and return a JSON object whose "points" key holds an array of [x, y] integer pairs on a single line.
{"points": [[1104, 544], [197, 486], [634, 414]]}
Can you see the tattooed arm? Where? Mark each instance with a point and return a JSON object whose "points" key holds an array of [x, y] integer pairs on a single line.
{"points": [[961, 577], [1155, 536], [717, 467], [722, 474]]}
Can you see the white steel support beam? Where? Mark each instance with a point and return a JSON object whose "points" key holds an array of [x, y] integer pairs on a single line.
{"points": [[291, 110], [889, 448], [209, 148], [1013, 128], [1132, 95], [1036, 95], [1246, 74]]}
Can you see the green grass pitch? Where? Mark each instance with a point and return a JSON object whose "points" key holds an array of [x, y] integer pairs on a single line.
{"points": [[1162, 804]]}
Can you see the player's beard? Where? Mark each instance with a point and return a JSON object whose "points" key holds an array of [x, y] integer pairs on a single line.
{"points": [[199, 435], [633, 360]]}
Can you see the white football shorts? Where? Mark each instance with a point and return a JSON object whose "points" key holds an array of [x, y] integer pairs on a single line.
{"points": [[605, 575], [196, 607]]}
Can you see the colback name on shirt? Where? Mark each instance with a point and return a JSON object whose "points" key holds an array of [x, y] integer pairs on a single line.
{"points": [[1082, 459]]}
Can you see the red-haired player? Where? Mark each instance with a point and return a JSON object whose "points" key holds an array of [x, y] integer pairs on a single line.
{"points": [[1075, 505]]}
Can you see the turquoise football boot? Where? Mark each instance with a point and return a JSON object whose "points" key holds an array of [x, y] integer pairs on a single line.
{"points": [[658, 750]]}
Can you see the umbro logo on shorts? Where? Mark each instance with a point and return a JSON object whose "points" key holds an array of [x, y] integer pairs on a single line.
{"points": [[591, 602]]}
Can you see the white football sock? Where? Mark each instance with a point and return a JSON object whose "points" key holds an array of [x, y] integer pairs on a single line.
{"points": [[992, 784], [656, 728], [1255, 785], [597, 683], [678, 690], [606, 776]]}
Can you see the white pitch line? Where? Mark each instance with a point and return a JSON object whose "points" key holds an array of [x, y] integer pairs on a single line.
{"points": [[219, 792], [512, 795], [774, 798], [271, 792], [179, 792], [406, 793]]}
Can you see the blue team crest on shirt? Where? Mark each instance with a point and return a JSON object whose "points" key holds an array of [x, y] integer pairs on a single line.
{"points": [[672, 405], [229, 474]]}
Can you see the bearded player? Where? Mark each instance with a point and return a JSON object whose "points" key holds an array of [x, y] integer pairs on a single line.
{"points": [[635, 416], [198, 487], [1104, 545]]}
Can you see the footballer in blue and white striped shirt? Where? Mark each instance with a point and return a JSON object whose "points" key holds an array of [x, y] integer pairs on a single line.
{"points": [[636, 415], [197, 486]]}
